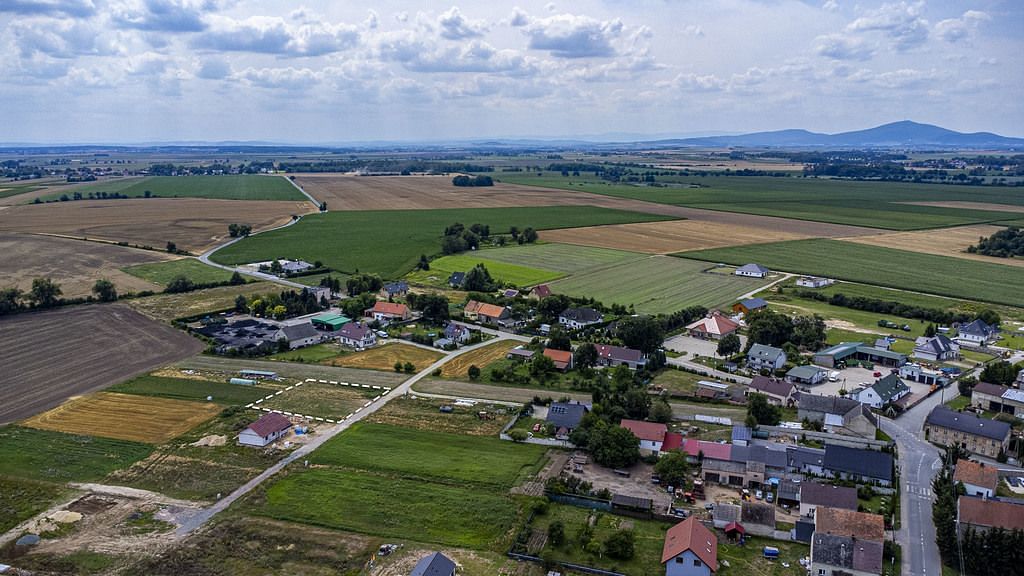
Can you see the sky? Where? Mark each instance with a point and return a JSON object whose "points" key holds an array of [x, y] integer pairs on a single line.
{"points": [[333, 71]]}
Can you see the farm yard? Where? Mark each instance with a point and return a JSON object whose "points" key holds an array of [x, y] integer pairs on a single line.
{"points": [[384, 357], [458, 366], [945, 242], [125, 417], [52, 355], [163, 272], [880, 266], [513, 274], [390, 242], [658, 284], [672, 236], [73, 264], [224, 187], [191, 223]]}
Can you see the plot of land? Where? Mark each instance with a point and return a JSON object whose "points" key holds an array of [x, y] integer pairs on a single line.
{"points": [[480, 357], [23, 499], [514, 274], [73, 264], [566, 257], [50, 356], [225, 366], [674, 236], [940, 275], [945, 242], [163, 272], [191, 223], [192, 389], [384, 357], [390, 242], [425, 414], [168, 307], [321, 400], [125, 417], [225, 187], [658, 284], [61, 457]]}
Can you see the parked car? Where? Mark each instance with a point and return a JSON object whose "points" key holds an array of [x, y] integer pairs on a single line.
{"points": [[877, 374], [769, 497], [759, 495]]}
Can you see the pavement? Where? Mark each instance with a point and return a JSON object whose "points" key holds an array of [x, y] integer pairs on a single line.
{"points": [[709, 372]]}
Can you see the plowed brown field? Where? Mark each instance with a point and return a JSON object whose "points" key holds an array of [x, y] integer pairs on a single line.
{"points": [[459, 366], [942, 242]]}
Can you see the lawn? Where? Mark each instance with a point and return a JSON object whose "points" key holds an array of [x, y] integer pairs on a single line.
{"points": [[514, 274], [310, 354], [22, 499], [658, 284], [314, 279], [425, 414], [566, 258], [390, 242], [889, 267], [384, 357], [432, 456], [226, 187], [847, 318], [748, 560], [164, 272], [677, 381], [191, 389], [58, 457]]}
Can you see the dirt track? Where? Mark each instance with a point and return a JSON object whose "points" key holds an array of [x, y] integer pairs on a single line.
{"points": [[50, 356]]}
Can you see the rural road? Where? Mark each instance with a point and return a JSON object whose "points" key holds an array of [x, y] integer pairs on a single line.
{"points": [[785, 276], [193, 522]]}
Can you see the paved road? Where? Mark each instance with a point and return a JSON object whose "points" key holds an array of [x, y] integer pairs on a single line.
{"points": [[194, 522]]}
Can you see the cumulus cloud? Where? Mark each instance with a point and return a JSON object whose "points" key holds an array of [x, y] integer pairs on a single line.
{"points": [[518, 18], [283, 78], [270, 35], [163, 15], [455, 26], [214, 69], [76, 8], [830, 5], [572, 36], [902, 23], [64, 39], [956, 29], [842, 47]]}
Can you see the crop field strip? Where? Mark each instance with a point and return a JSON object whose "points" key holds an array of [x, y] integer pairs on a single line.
{"points": [[390, 243], [480, 357], [514, 274], [939, 275], [560, 257], [60, 457], [52, 355], [191, 389], [944, 242], [658, 284], [384, 357], [225, 187], [163, 272], [379, 390]]}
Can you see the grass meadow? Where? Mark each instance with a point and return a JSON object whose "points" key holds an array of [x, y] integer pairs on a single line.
{"points": [[514, 274], [58, 457], [22, 499], [164, 272], [567, 258], [226, 187], [191, 389]]}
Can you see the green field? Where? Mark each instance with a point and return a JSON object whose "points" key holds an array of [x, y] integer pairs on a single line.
{"points": [[22, 499], [188, 389], [912, 298], [566, 258], [862, 203], [452, 458], [45, 455], [514, 274], [390, 242], [8, 189], [657, 284], [312, 354], [164, 272], [227, 187], [941, 275], [314, 279]]}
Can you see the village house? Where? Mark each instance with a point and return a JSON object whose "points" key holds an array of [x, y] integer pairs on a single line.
{"points": [[815, 494], [813, 282], [357, 335], [457, 333], [611, 356], [301, 335], [840, 415], [779, 392], [690, 549], [999, 399], [561, 358], [650, 434], [748, 305], [846, 543], [266, 430], [860, 465], [978, 479], [520, 354], [492, 314], [540, 291], [977, 435], [388, 312], [761, 357], [456, 279], [566, 417], [884, 391], [436, 564], [807, 375], [938, 348], [977, 333], [394, 289], [576, 318], [917, 373], [984, 514], [712, 327], [752, 271]]}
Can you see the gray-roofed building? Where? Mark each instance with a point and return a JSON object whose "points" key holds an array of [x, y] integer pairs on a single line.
{"points": [[779, 392], [752, 271], [724, 514], [610, 356], [858, 464], [938, 348], [761, 357], [456, 279], [977, 333], [996, 398], [834, 555], [436, 564], [808, 375], [845, 351], [884, 391], [299, 335], [841, 415], [566, 415], [748, 305], [741, 435], [294, 266], [975, 434], [576, 318], [803, 530], [788, 492], [758, 517], [814, 494], [806, 460], [392, 289]]}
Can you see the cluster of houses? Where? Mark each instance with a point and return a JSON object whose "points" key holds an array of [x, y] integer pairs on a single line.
{"points": [[979, 508]]}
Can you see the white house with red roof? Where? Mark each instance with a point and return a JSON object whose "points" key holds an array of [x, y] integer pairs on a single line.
{"points": [[690, 549], [387, 312], [651, 434], [266, 430], [712, 327]]}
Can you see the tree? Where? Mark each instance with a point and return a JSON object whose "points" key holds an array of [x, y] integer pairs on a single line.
{"points": [[409, 368], [809, 332], [541, 365], [529, 235], [762, 411], [585, 356], [550, 307], [10, 300], [613, 446], [276, 268], [424, 263], [673, 469], [179, 284], [363, 283], [643, 333], [661, 411], [728, 345], [44, 293], [104, 290], [172, 247], [518, 435], [621, 545], [558, 339], [473, 372], [556, 533], [990, 317], [769, 328], [236, 279], [434, 307], [1002, 373], [478, 279], [398, 366], [241, 303], [929, 331]]}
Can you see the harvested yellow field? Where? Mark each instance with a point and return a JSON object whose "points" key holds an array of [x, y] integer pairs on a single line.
{"points": [[972, 206], [672, 236], [480, 357], [942, 242], [125, 417], [384, 357]]}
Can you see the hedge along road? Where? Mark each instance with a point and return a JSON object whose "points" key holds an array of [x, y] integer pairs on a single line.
{"points": [[191, 522]]}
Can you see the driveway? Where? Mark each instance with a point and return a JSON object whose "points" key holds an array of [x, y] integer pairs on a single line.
{"points": [[696, 346]]}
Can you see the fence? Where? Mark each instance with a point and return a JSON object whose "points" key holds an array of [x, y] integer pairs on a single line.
{"points": [[580, 501]]}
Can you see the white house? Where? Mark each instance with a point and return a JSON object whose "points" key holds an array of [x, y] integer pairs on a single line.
{"points": [[650, 434], [357, 335], [753, 271], [977, 333], [761, 357], [938, 348], [576, 318], [977, 478], [266, 430], [884, 391], [814, 282]]}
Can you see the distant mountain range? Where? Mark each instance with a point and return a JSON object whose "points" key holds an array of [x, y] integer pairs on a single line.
{"points": [[905, 134]]}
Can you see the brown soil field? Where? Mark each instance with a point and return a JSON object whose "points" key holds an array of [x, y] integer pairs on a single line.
{"points": [[384, 357], [52, 355], [425, 414], [943, 242], [167, 307], [125, 417], [480, 357], [671, 236], [192, 223], [74, 264], [972, 206]]}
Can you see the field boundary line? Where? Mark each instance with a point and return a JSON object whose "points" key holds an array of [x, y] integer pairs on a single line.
{"points": [[256, 405]]}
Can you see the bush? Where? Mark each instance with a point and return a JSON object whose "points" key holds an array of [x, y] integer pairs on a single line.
{"points": [[556, 533], [518, 435], [621, 545]]}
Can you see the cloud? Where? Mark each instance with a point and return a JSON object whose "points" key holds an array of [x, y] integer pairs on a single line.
{"points": [[214, 69], [571, 36], [830, 6], [271, 35], [519, 18], [76, 8], [64, 39], [956, 29], [163, 15], [842, 47], [901, 23], [279, 78], [455, 26], [690, 82]]}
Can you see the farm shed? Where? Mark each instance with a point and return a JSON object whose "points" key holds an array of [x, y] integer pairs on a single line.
{"points": [[300, 335], [258, 374], [266, 430], [330, 321]]}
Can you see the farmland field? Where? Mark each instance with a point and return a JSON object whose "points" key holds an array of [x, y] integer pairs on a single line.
{"points": [[224, 366], [191, 389], [61, 457], [514, 274], [946, 242], [125, 417], [168, 307], [226, 187], [384, 357], [480, 357], [74, 264], [322, 400], [672, 236], [191, 223], [316, 353], [658, 284], [566, 257], [163, 272], [52, 355], [425, 414], [22, 499], [941, 275], [390, 243], [456, 458]]}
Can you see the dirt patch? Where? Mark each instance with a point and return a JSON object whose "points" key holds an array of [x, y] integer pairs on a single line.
{"points": [[384, 357], [638, 484], [943, 242], [91, 504], [500, 393], [672, 236], [50, 356], [971, 206], [211, 440], [74, 264], [480, 357], [192, 223], [425, 414]]}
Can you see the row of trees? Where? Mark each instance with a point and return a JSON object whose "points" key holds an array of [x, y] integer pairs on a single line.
{"points": [[182, 283], [1006, 243], [239, 230], [889, 307], [463, 180], [46, 293], [280, 305]]}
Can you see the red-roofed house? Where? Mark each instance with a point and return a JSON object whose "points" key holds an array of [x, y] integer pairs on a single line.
{"points": [[540, 291], [712, 327], [710, 450], [690, 550], [491, 313], [267, 429], [387, 312], [983, 514], [673, 441], [651, 434], [561, 358], [978, 479]]}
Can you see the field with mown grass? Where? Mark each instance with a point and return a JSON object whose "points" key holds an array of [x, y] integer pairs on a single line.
{"points": [[225, 187], [504, 272], [567, 258], [194, 270], [853, 290], [390, 242], [191, 389]]}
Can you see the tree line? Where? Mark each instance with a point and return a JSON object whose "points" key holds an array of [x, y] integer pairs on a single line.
{"points": [[936, 315], [1005, 243]]}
